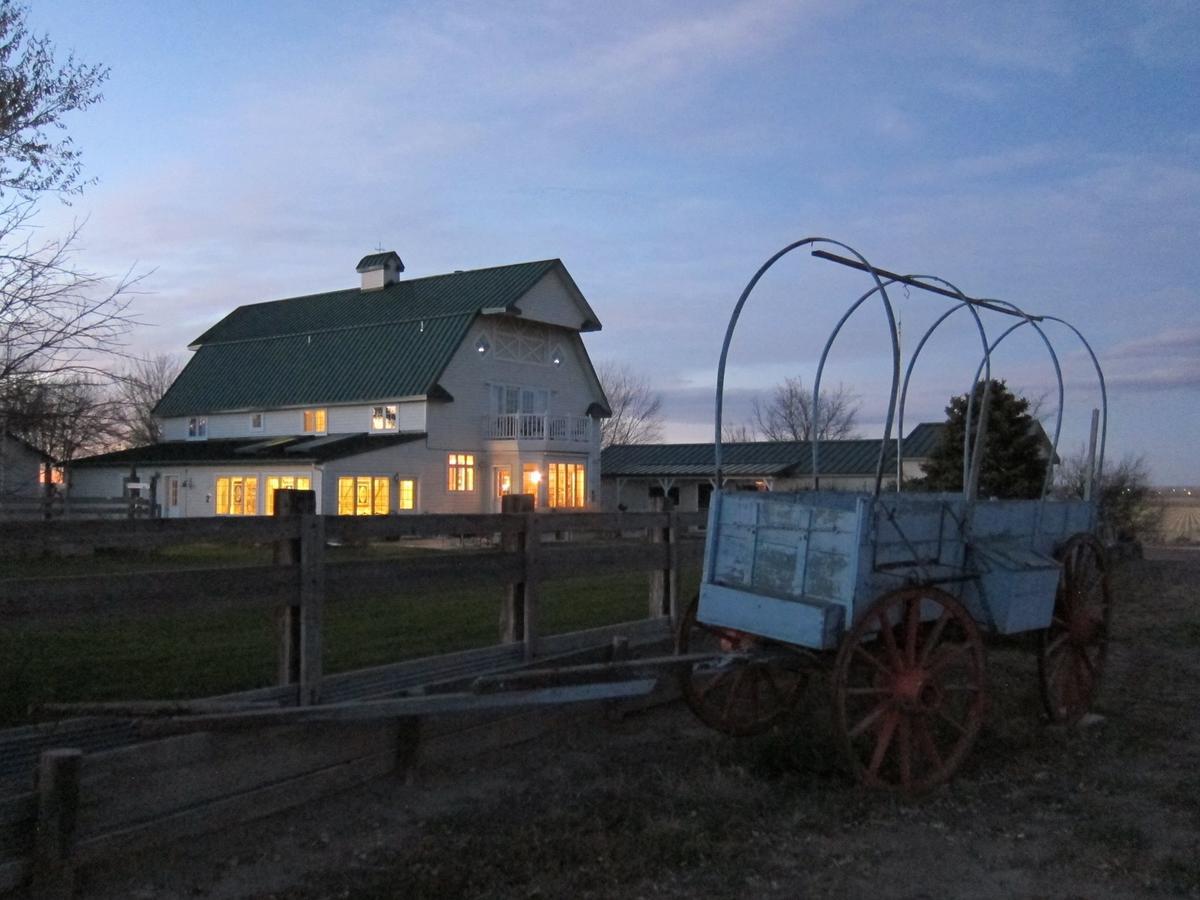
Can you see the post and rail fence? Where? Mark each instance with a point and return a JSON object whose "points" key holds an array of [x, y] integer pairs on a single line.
{"points": [[83, 807]]}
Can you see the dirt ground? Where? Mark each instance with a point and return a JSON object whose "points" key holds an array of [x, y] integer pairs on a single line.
{"points": [[657, 806]]}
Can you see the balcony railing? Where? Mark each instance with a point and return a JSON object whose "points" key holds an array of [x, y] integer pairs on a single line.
{"points": [[537, 427]]}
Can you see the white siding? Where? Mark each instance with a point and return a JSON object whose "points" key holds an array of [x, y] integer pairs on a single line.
{"points": [[550, 301], [340, 420], [20, 470]]}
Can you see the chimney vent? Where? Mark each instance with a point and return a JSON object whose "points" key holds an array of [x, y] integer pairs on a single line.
{"points": [[378, 270]]}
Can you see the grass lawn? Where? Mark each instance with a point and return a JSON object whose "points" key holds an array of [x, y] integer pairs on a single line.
{"points": [[197, 655]]}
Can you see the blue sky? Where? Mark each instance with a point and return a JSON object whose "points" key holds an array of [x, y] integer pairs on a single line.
{"points": [[1046, 154]]}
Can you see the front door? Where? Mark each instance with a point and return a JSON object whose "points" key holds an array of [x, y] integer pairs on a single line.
{"points": [[501, 485], [171, 508]]}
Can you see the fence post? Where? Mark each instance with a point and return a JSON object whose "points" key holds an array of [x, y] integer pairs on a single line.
{"points": [[54, 839], [299, 619], [533, 580], [664, 586], [512, 614]]}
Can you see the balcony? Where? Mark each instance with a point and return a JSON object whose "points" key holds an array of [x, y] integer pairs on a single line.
{"points": [[538, 427]]}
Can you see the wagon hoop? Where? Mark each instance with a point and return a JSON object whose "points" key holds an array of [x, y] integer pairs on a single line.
{"points": [[1061, 393], [913, 362], [1098, 469], [737, 311], [887, 430]]}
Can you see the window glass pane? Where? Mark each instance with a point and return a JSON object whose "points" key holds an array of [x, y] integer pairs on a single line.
{"points": [[251, 494], [407, 494], [345, 496], [320, 420], [273, 484], [362, 496], [381, 506], [222, 496], [303, 484]]}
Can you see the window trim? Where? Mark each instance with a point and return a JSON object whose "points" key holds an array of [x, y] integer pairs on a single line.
{"points": [[416, 494], [394, 427], [320, 420], [197, 428], [465, 483]]}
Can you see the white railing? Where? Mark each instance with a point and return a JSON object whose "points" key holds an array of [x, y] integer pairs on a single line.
{"points": [[537, 427]]}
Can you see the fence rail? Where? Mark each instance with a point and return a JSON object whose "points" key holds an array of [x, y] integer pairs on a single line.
{"points": [[58, 507], [83, 808]]}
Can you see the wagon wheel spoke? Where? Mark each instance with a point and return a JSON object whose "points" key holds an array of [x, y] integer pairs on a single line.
{"points": [[912, 621], [727, 709], [869, 719], [951, 721], [889, 641], [934, 636], [868, 691], [928, 744], [882, 743], [863, 653], [1057, 644], [948, 657], [711, 685], [906, 754]]}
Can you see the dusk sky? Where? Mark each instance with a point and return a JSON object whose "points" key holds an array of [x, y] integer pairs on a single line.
{"points": [[1047, 154]]}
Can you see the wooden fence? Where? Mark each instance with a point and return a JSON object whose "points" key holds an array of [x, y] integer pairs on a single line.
{"points": [[60, 506], [87, 806]]}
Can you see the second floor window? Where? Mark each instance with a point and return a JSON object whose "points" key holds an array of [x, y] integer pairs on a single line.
{"points": [[460, 472], [197, 427], [314, 421], [383, 418]]}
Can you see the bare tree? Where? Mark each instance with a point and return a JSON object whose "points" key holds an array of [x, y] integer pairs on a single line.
{"points": [[742, 433], [1124, 494], [636, 408], [65, 417], [58, 320], [788, 414], [139, 388]]}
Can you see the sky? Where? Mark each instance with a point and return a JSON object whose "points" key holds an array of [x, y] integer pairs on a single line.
{"points": [[1045, 154]]}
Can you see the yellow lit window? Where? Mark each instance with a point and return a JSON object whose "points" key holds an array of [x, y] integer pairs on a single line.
{"points": [[406, 494], [531, 477], [314, 421], [363, 495], [503, 482], [460, 472], [383, 418], [237, 496], [284, 482], [566, 485]]}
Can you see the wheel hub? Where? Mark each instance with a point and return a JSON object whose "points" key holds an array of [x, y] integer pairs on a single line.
{"points": [[916, 691]]}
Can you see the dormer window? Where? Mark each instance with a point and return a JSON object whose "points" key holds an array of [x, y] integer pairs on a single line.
{"points": [[314, 421], [383, 418], [256, 421], [197, 428]]}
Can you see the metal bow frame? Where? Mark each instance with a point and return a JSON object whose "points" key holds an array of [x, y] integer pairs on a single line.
{"points": [[883, 279]]}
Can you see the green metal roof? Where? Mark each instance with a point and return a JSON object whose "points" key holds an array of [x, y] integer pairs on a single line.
{"points": [[378, 260], [343, 346], [228, 451], [756, 459]]}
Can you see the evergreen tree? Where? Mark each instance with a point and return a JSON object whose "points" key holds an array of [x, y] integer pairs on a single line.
{"points": [[1014, 459]]}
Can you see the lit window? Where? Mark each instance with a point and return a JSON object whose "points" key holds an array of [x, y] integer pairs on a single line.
{"points": [[460, 472], [503, 482], [237, 495], [363, 495], [314, 421], [284, 482], [566, 485], [406, 494], [197, 428], [531, 477], [256, 421], [383, 418]]}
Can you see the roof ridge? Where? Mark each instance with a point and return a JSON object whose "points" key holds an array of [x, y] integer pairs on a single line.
{"points": [[531, 262], [337, 328]]}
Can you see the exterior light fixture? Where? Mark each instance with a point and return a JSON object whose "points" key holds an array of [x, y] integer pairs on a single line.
{"points": [[556, 357], [535, 476]]}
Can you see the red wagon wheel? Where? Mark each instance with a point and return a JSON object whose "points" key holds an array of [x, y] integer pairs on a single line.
{"points": [[736, 696], [909, 695], [1072, 650]]}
